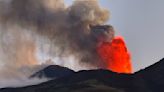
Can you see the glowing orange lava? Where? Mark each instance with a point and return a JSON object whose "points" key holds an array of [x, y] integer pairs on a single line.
{"points": [[115, 55]]}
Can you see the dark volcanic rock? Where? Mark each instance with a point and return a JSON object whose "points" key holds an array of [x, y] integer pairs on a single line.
{"points": [[153, 76], [53, 71], [150, 79]]}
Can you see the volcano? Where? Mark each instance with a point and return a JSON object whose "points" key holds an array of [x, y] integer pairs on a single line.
{"points": [[50, 29], [104, 81]]}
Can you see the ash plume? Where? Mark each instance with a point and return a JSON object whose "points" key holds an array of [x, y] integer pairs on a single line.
{"points": [[65, 30]]}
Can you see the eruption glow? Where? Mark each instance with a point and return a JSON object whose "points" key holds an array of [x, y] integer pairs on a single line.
{"points": [[115, 55]]}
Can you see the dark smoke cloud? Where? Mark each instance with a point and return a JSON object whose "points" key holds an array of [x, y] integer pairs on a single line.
{"points": [[65, 30]]}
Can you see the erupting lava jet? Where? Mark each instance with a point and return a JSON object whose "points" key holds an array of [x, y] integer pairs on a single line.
{"points": [[113, 51]]}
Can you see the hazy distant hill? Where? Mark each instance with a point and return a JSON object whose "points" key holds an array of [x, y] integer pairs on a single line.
{"points": [[53, 71], [150, 79]]}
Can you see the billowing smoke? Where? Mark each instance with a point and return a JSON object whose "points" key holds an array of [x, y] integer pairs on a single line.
{"points": [[67, 28], [17, 49], [17, 56], [30, 29]]}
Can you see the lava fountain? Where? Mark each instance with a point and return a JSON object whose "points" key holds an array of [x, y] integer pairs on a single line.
{"points": [[113, 51]]}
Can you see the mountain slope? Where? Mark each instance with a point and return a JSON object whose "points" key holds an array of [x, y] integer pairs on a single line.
{"points": [[102, 80], [150, 79], [153, 76]]}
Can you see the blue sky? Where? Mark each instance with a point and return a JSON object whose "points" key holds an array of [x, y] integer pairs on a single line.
{"points": [[141, 22]]}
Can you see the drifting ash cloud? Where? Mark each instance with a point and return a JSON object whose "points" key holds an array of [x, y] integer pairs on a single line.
{"points": [[32, 28], [67, 28]]}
